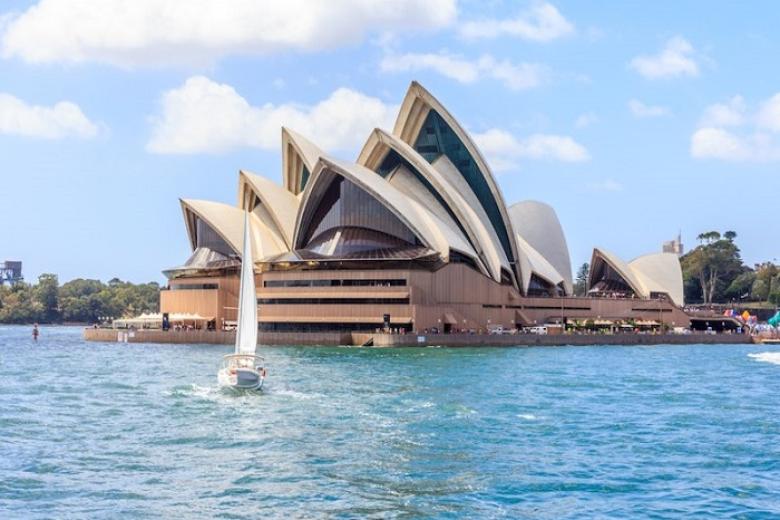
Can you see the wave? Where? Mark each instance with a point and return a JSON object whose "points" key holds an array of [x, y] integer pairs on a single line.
{"points": [[767, 357]]}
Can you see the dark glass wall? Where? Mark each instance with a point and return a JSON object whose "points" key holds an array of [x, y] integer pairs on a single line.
{"points": [[208, 238], [346, 205], [437, 138]]}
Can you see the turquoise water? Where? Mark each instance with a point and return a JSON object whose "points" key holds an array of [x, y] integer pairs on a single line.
{"points": [[141, 431]]}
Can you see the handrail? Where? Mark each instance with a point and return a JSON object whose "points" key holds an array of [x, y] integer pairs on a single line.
{"points": [[243, 355]]}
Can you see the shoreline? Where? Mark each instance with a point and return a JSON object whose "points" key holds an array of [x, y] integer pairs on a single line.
{"points": [[409, 340]]}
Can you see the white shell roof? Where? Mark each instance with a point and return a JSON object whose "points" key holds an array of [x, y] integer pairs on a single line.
{"points": [[538, 264], [537, 223], [450, 173], [488, 250], [228, 222], [280, 205], [431, 231], [661, 272], [297, 151], [656, 272], [414, 109]]}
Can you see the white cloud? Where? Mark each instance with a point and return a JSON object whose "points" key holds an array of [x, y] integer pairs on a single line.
{"points": [[729, 131], [203, 116], [541, 23], [677, 58], [639, 109], [717, 143], [731, 113], [64, 119], [155, 32], [586, 119], [769, 114], [503, 149], [519, 76]]}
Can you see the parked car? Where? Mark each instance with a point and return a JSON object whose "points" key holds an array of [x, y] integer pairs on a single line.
{"points": [[495, 329]]}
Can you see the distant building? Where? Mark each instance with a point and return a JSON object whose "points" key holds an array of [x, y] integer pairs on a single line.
{"points": [[10, 272], [674, 246]]}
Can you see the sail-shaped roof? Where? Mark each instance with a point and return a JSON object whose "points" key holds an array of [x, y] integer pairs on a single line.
{"points": [[537, 264], [274, 205], [430, 129], [537, 223], [228, 222], [391, 157], [429, 229], [645, 275], [661, 273], [299, 155]]}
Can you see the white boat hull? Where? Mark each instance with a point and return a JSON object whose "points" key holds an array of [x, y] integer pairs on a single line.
{"points": [[241, 379]]}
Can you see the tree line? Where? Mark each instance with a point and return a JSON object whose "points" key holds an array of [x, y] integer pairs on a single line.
{"points": [[79, 300], [713, 272]]}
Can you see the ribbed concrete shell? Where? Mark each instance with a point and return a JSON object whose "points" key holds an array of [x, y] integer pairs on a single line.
{"points": [[653, 273], [661, 272], [299, 155], [376, 149], [537, 264], [415, 109], [537, 223], [433, 233], [278, 207], [228, 222]]}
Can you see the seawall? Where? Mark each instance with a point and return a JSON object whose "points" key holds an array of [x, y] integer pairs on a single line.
{"points": [[407, 340]]}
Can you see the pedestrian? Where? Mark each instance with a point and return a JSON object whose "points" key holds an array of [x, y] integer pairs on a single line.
{"points": [[36, 332]]}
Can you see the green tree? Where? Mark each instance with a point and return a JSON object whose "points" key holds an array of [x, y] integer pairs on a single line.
{"points": [[46, 294], [764, 283], [581, 282], [774, 291], [741, 287], [711, 267], [708, 237], [79, 300], [19, 305]]}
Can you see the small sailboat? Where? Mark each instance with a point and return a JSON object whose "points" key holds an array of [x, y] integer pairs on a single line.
{"points": [[244, 370]]}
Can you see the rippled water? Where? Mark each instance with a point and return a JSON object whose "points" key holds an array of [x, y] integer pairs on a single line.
{"points": [[92, 430]]}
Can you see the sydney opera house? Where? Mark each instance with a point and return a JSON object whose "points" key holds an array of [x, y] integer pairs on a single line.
{"points": [[413, 235]]}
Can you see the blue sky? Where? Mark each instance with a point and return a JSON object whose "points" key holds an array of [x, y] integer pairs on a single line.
{"points": [[633, 119]]}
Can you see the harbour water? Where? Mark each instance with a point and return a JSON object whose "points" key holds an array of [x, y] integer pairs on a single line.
{"points": [[92, 430]]}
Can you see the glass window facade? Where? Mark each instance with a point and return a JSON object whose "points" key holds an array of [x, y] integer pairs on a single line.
{"points": [[304, 176], [210, 239], [332, 301], [375, 282], [346, 205], [194, 286], [608, 282], [539, 287], [393, 160], [352, 242], [437, 138], [328, 327]]}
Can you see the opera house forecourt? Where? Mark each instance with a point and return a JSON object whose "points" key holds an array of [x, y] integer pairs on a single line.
{"points": [[414, 235]]}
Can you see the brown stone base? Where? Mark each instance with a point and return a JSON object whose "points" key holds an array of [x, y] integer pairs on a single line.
{"points": [[407, 340]]}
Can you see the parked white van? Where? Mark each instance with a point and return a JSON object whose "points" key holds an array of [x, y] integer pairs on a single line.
{"points": [[542, 331]]}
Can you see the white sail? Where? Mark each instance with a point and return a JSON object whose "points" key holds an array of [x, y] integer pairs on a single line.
{"points": [[246, 334]]}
